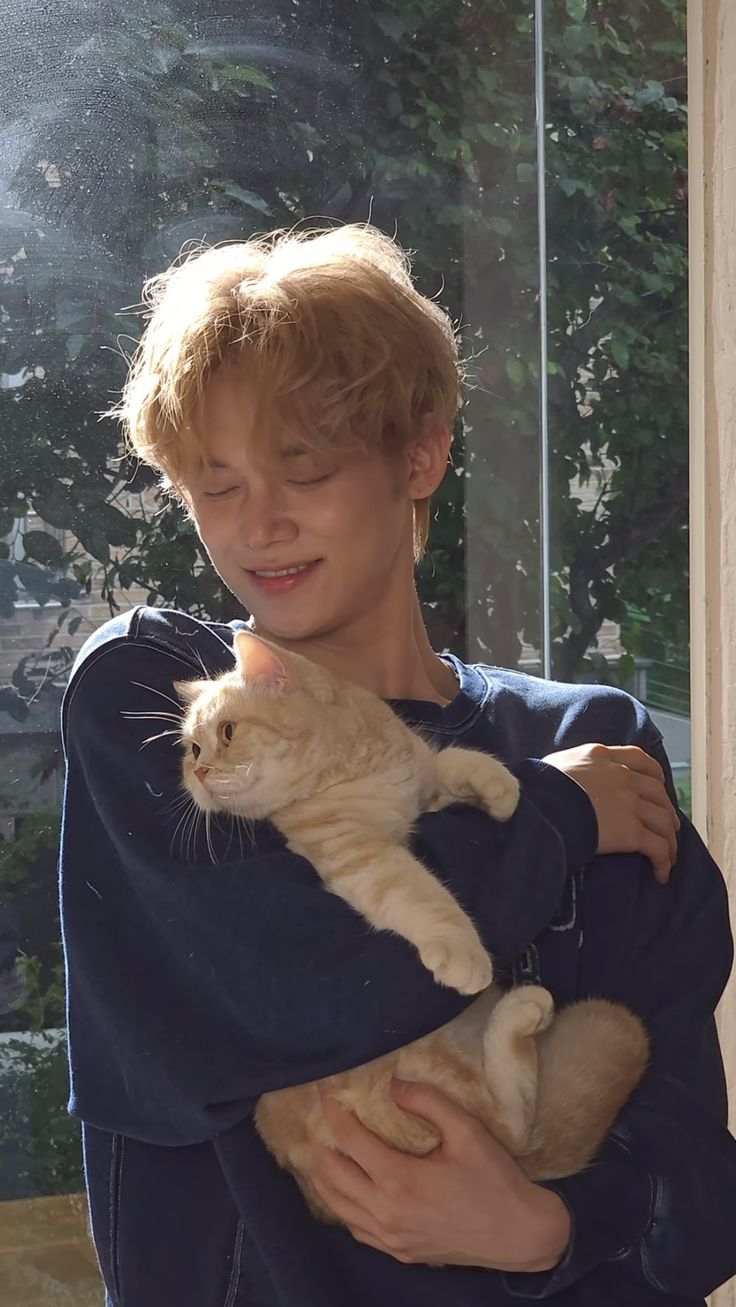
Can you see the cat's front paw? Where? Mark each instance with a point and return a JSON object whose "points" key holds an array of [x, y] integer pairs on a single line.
{"points": [[459, 963], [498, 791]]}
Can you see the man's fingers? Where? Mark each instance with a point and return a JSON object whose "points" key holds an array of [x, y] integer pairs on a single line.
{"points": [[341, 1173], [653, 792], [456, 1128], [348, 1211], [631, 756], [657, 850], [660, 823], [357, 1142]]}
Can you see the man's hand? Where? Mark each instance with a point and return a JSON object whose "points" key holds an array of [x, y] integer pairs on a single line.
{"points": [[627, 790], [467, 1203]]}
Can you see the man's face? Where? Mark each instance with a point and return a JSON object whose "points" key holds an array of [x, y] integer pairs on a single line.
{"points": [[344, 521]]}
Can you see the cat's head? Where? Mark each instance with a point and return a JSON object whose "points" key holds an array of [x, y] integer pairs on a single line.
{"points": [[255, 738]]}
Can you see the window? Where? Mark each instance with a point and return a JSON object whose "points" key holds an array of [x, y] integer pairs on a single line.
{"points": [[560, 536]]}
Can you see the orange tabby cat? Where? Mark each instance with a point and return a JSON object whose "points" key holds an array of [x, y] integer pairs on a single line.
{"points": [[344, 780]]}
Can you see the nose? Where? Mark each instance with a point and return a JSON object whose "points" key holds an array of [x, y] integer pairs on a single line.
{"points": [[201, 772], [264, 522]]}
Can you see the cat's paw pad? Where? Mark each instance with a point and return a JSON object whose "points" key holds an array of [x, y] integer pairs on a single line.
{"points": [[458, 963], [530, 1009]]}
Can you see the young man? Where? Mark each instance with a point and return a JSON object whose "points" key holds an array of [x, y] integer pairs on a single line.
{"points": [[299, 395]]}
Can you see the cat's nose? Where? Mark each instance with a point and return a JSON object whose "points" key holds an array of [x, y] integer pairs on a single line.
{"points": [[201, 772]]}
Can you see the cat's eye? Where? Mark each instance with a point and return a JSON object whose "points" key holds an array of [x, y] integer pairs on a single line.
{"points": [[226, 732], [195, 751]]}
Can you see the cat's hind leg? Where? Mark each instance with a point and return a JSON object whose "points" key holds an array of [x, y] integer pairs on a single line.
{"points": [[510, 1061], [591, 1058]]}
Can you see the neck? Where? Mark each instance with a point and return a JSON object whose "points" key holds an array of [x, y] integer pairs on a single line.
{"points": [[387, 652]]}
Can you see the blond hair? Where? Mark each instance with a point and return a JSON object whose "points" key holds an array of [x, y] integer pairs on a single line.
{"points": [[327, 324]]}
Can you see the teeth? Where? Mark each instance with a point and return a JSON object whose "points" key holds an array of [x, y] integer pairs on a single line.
{"points": [[287, 571]]}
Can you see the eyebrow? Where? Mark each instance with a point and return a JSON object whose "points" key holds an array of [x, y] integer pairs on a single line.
{"points": [[292, 451]]}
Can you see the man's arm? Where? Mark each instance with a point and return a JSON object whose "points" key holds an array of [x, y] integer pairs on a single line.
{"points": [[660, 1202], [193, 987]]}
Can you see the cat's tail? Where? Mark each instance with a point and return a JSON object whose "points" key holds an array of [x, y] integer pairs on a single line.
{"points": [[590, 1060]]}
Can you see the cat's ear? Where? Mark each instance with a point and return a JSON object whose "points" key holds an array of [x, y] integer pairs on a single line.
{"points": [[188, 691], [257, 661]]}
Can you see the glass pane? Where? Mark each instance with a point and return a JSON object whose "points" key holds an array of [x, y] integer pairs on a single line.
{"points": [[618, 345], [130, 133], [133, 133]]}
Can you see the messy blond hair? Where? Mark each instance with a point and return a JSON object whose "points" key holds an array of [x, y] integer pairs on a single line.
{"points": [[327, 324]]}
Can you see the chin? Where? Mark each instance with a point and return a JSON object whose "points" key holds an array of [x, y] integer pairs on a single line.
{"points": [[294, 625], [292, 631]]}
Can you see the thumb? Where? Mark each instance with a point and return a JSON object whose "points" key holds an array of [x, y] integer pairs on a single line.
{"points": [[454, 1125]]}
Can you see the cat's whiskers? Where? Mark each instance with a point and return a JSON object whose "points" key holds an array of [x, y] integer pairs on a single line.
{"points": [[181, 799], [189, 806], [157, 716], [189, 833], [192, 844], [152, 689], [160, 736], [250, 829], [208, 835], [200, 660]]}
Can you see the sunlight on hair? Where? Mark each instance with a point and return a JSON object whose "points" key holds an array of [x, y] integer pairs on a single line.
{"points": [[339, 344]]}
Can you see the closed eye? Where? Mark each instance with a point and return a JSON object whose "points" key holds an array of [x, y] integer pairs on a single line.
{"points": [[218, 494], [314, 481]]}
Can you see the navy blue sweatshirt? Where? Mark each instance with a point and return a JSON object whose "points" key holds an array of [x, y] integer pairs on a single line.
{"points": [[196, 986]]}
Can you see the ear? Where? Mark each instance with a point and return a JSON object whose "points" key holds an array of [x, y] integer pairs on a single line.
{"points": [[258, 661], [188, 691], [428, 455]]}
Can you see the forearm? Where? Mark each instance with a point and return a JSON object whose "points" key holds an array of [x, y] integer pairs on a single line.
{"points": [[657, 1206]]}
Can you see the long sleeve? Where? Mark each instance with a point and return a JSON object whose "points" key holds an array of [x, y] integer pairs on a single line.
{"points": [[196, 985], [658, 1207]]}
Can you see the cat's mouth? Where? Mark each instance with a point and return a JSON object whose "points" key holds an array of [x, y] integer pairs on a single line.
{"points": [[215, 791]]}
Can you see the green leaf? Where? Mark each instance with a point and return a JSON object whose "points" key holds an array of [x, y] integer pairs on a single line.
{"points": [[626, 668], [36, 580], [252, 200], [515, 371], [571, 185], [526, 172], [492, 133], [620, 351], [488, 80], [43, 548], [252, 76], [501, 226], [391, 25], [577, 9]]}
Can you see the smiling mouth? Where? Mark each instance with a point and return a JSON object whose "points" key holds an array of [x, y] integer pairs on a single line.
{"points": [[278, 581], [283, 571]]}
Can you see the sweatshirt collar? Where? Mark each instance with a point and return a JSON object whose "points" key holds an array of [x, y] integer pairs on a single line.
{"points": [[461, 713]]}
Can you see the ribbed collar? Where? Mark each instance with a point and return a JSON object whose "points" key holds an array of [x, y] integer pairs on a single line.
{"points": [[461, 713]]}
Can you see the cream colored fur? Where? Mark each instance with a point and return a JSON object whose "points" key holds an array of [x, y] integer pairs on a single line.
{"points": [[344, 780]]}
